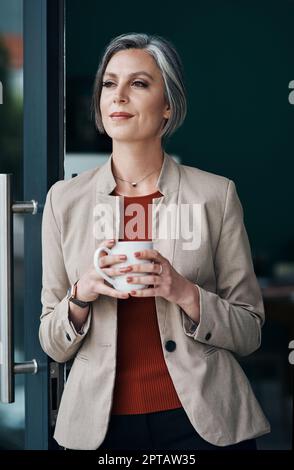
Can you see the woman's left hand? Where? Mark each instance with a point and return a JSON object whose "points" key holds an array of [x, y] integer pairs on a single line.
{"points": [[168, 284]]}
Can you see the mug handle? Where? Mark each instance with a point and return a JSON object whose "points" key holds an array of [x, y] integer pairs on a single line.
{"points": [[96, 263]]}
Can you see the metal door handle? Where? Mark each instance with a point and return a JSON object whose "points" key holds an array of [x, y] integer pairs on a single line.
{"points": [[8, 368]]}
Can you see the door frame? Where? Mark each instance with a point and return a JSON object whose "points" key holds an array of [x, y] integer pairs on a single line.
{"points": [[43, 165]]}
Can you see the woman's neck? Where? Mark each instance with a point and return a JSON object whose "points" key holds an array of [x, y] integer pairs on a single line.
{"points": [[141, 168]]}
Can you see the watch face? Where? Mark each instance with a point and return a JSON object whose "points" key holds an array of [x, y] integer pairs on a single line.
{"points": [[71, 292], [74, 289], [71, 296]]}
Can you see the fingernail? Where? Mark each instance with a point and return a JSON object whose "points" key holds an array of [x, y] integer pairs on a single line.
{"points": [[125, 269], [137, 254], [133, 292], [122, 257]]}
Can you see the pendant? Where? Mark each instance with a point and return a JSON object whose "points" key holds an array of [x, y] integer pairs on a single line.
{"points": [[134, 184]]}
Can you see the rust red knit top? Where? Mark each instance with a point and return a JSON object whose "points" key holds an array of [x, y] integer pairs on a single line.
{"points": [[143, 383]]}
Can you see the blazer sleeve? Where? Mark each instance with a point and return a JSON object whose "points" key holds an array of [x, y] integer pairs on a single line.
{"points": [[232, 317], [57, 335]]}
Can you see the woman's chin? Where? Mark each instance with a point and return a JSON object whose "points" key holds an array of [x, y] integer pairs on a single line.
{"points": [[122, 136]]}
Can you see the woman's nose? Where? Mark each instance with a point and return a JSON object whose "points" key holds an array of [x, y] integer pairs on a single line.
{"points": [[120, 94], [118, 98]]}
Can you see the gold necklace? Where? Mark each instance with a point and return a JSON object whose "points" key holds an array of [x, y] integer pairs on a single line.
{"points": [[134, 184]]}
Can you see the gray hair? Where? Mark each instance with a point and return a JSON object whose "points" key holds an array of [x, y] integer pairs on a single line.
{"points": [[170, 65]]}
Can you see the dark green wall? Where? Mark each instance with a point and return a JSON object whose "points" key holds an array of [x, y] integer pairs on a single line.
{"points": [[238, 61]]}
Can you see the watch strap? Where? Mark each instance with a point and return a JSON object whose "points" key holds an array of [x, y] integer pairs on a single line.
{"points": [[80, 303], [71, 295]]}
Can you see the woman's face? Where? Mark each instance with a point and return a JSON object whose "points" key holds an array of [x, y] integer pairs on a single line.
{"points": [[132, 83]]}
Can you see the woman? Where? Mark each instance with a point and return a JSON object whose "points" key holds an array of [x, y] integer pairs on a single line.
{"points": [[154, 368]]}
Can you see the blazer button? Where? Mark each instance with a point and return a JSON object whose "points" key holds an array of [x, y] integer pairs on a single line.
{"points": [[68, 337], [170, 346], [208, 336]]}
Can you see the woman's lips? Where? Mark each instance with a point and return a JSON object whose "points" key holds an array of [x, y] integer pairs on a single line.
{"points": [[119, 118]]}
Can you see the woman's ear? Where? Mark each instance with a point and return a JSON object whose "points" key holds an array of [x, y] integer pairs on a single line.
{"points": [[167, 112]]}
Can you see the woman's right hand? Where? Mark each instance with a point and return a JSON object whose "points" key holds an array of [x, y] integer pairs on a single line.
{"points": [[91, 284]]}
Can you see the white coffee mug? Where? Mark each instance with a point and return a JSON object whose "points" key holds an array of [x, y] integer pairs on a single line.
{"points": [[127, 248]]}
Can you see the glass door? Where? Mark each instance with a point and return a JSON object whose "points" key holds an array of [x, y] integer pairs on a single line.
{"points": [[12, 416], [31, 160]]}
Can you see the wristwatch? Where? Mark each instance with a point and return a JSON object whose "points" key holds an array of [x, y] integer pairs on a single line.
{"points": [[72, 296]]}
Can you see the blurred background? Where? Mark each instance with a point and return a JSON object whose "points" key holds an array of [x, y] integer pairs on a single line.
{"points": [[238, 62], [12, 416]]}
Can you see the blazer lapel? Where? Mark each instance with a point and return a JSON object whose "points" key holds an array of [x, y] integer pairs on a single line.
{"points": [[109, 222]]}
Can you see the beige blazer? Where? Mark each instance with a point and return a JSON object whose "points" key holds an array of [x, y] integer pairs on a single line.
{"points": [[209, 381]]}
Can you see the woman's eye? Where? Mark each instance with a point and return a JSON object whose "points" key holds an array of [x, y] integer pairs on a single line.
{"points": [[136, 82], [106, 84], [141, 84]]}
